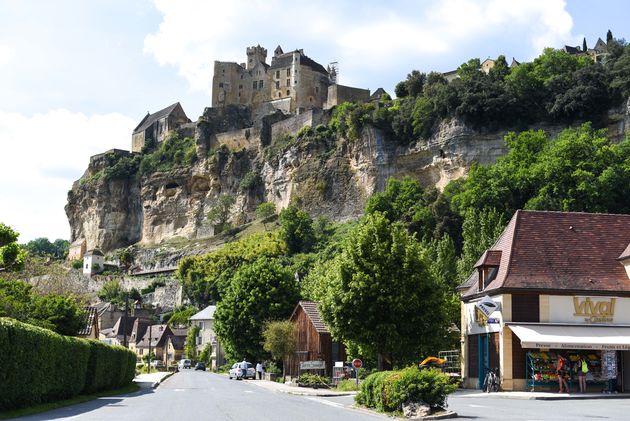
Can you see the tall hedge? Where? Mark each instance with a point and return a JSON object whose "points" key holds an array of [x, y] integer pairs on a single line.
{"points": [[38, 365]]}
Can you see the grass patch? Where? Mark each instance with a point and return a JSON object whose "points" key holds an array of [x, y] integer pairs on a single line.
{"points": [[347, 385], [49, 406]]}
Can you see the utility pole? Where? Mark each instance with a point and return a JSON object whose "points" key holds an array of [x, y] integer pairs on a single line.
{"points": [[125, 344], [150, 339]]}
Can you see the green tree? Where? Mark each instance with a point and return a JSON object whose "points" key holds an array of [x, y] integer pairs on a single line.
{"points": [[206, 354], [181, 316], [584, 46], [190, 345], [382, 295], [620, 74], [60, 313], [297, 230], [219, 213], [279, 339], [260, 291], [415, 83], [111, 291], [11, 254], [264, 211], [125, 257], [401, 90], [609, 37]]}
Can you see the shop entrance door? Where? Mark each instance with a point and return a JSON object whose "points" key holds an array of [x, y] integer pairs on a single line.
{"points": [[624, 382], [484, 358]]}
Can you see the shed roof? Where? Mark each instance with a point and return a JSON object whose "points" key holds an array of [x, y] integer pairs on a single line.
{"points": [[90, 320], [205, 314], [574, 251], [311, 310]]}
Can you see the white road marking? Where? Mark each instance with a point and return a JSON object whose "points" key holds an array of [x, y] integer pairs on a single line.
{"points": [[325, 402], [477, 406], [178, 390], [249, 391]]}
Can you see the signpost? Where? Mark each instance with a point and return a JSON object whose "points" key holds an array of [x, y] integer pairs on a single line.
{"points": [[357, 364]]}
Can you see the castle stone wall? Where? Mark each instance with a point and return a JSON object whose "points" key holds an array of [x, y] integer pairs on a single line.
{"points": [[294, 124], [237, 140], [338, 94]]}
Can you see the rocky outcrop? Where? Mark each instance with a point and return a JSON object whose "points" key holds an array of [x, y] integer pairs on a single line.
{"points": [[327, 176]]}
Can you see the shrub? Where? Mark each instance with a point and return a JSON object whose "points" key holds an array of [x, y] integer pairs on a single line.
{"points": [[38, 365], [312, 380], [77, 264], [387, 391], [347, 385]]}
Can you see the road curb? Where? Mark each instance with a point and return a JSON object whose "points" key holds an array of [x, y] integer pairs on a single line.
{"points": [[157, 383], [301, 392]]}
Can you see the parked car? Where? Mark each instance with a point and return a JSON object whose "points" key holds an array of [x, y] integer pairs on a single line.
{"points": [[157, 364], [235, 372], [200, 366], [186, 363]]}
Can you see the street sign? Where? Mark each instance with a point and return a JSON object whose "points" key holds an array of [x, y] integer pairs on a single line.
{"points": [[357, 363], [312, 365]]}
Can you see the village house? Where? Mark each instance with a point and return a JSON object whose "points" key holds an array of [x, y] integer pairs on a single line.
{"points": [[154, 342], [174, 347], [553, 283], [314, 341], [205, 321], [93, 262], [155, 127]]}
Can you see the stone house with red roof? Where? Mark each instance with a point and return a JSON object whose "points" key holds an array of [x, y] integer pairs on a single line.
{"points": [[553, 283]]}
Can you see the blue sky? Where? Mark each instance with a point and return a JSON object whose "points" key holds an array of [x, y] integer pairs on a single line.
{"points": [[76, 76]]}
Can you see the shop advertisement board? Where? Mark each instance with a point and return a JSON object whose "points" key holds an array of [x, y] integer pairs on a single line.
{"points": [[589, 309], [480, 320]]}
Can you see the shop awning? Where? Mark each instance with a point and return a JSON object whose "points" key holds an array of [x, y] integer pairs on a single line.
{"points": [[572, 337]]}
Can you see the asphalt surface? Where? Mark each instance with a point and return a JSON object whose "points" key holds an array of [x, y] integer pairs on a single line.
{"points": [[494, 408], [197, 395]]}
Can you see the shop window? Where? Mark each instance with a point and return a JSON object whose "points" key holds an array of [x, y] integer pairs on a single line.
{"points": [[518, 358], [473, 356]]}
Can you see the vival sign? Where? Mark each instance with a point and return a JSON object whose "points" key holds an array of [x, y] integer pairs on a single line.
{"points": [[594, 311]]}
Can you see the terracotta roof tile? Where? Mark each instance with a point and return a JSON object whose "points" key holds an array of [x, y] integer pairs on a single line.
{"points": [[626, 253], [562, 251], [90, 318]]}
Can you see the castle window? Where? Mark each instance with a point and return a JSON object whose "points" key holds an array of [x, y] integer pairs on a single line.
{"points": [[241, 76], [240, 86], [288, 92], [317, 89], [221, 85], [288, 72], [255, 84], [288, 82], [277, 84], [277, 74], [279, 95], [260, 84]]}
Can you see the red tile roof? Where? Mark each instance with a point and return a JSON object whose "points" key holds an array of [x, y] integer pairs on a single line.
{"points": [[574, 251], [489, 258], [310, 308], [90, 321], [626, 253]]}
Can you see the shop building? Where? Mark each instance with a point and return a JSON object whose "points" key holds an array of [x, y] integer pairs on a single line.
{"points": [[553, 283]]}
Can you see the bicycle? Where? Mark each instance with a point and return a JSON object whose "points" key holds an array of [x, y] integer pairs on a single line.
{"points": [[491, 381]]}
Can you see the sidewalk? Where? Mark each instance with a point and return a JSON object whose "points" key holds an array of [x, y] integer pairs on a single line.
{"points": [[541, 396], [295, 390], [152, 380]]}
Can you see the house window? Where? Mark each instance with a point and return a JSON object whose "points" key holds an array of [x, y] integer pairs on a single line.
{"points": [[87, 265], [260, 84], [255, 84], [277, 74], [288, 72], [199, 341], [288, 82], [201, 325], [277, 84]]}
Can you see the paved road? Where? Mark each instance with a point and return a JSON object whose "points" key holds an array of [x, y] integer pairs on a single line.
{"points": [[489, 408], [196, 395]]}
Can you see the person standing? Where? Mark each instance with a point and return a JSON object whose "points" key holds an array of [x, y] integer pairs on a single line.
{"points": [[561, 371], [243, 367], [582, 369], [609, 368], [259, 371]]}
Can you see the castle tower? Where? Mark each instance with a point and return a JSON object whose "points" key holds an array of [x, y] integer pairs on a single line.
{"points": [[255, 55]]}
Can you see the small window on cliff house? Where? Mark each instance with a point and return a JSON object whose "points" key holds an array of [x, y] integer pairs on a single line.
{"points": [[255, 84]]}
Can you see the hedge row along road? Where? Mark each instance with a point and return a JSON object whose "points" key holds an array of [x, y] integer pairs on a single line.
{"points": [[38, 365]]}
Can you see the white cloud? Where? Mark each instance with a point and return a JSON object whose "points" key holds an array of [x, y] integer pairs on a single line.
{"points": [[365, 36], [40, 157], [6, 54]]}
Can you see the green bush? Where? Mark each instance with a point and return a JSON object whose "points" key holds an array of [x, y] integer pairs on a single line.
{"points": [[347, 385], [313, 380], [38, 365], [387, 391], [77, 264]]}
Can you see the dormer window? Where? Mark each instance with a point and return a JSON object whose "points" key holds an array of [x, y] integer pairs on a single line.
{"points": [[487, 268]]}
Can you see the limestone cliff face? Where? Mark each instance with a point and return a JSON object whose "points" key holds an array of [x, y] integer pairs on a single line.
{"points": [[326, 176]]}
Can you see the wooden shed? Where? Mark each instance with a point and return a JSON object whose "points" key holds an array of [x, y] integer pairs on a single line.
{"points": [[314, 342]]}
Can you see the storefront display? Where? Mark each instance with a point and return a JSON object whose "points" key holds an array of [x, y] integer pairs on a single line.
{"points": [[541, 368]]}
